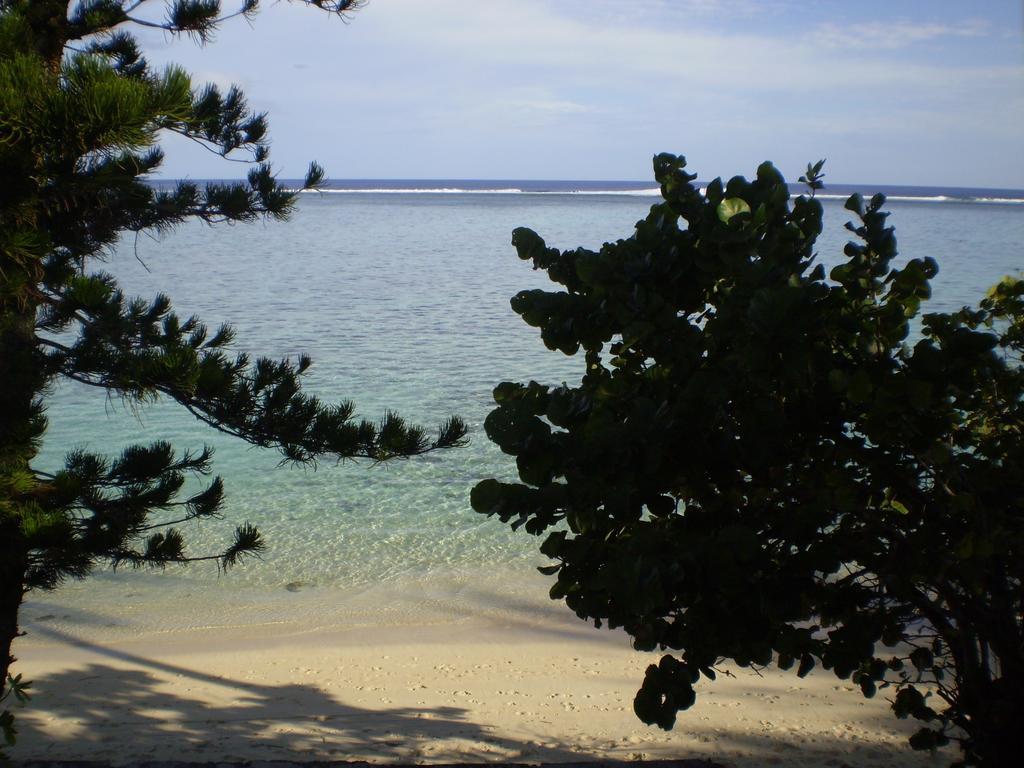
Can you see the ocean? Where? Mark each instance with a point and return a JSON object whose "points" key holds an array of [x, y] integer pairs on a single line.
{"points": [[399, 292]]}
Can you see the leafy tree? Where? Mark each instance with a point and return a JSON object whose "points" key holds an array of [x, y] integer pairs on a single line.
{"points": [[81, 111], [761, 464]]}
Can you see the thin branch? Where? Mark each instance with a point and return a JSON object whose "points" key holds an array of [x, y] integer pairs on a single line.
{"points": [[132, 6], [209, 144], [175, 522], [176, 30], [53, 344], [135, 249]]}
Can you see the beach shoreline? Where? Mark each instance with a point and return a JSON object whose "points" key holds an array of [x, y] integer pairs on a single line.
{"points": [[523, 683]]}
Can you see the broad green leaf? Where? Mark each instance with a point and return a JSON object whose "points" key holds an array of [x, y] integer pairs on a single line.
{"points": [[732, 206]]}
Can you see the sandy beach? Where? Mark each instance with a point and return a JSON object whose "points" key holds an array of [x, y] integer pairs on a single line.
{"points": [[523, 682]]}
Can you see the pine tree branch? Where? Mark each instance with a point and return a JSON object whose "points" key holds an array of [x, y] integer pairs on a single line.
{"points": [[186, 519], [53, 345], [210, 146], [203, 33], [142, 23], [200, 25], [450, 435], [211, 422]]}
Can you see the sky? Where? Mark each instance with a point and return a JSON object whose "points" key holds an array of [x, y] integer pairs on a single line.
{"points": [[915, 92]]}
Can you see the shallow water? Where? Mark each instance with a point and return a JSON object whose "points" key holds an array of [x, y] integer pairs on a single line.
{"points": [[402, 302]]}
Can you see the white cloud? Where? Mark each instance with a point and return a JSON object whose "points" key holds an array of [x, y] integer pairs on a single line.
{"points": [[894, 35], [544, 107], [585, 50]]}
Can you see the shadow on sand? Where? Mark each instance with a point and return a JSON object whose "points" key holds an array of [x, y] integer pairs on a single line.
{"points": [[119, 713], [125, 711]]}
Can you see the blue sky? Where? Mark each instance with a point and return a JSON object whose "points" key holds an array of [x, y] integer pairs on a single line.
{"points": [[921, 92]]}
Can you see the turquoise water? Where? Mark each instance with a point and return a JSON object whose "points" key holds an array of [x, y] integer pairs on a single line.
{"points": [[401, 299]]}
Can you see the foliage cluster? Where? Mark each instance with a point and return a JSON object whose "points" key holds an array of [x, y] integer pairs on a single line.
{"points": [[764, 463]]}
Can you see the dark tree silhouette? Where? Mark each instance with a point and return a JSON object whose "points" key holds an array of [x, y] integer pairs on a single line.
{"points": [[758, 464]]}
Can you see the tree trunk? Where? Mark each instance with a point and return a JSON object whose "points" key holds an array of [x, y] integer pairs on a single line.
{"points": [[22, 372], [998, 723], [12, 590], [21, 426]]}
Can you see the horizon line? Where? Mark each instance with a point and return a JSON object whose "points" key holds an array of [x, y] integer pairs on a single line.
{"points": [[652, 182]]}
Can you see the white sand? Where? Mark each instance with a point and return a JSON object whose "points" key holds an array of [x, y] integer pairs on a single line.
{"points": [[524, 684]]}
